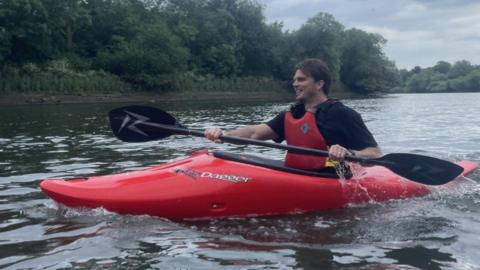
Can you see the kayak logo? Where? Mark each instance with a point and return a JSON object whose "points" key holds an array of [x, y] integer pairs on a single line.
{"points": [[188, 172], [225, 177]]}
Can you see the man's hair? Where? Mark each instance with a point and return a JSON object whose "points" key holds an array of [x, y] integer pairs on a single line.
{"points": [[318, 70]]}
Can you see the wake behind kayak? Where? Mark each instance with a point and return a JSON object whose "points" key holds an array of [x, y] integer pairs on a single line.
{"points": [[220, 184]]}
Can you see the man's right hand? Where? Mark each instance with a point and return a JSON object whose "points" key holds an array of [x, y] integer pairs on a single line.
{"points": [[213, 134]]}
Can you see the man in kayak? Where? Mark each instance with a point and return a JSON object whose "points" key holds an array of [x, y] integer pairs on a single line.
{"points": [[314, 121]]}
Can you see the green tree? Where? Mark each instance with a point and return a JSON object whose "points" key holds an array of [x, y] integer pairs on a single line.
{"points": [[4, 43], [150, 59], [415, 70], [320, 37], [418, 82], [259, 43], [442, 67], [24, 31], [210, 33], [472, 81], [404, 76], [437, 82], [460, 68], [280, 59], [364, 66], [67, 18]]}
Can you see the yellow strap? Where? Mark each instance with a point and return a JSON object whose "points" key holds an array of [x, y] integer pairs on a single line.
{"points": [[331, 163]]}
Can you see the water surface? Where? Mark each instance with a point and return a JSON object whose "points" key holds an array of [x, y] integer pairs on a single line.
{"points": [[440, 231]]}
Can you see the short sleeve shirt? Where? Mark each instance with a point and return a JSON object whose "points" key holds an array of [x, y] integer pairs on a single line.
{"points": [[338, 124]]}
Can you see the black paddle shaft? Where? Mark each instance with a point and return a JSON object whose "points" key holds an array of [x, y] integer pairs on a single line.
{"points": [[141, 123]]}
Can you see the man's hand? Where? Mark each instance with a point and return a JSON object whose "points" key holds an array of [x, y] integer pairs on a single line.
{"points": [[337, 152], [213, 134]]}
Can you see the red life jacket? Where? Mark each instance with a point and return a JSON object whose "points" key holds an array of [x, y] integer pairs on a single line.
{"points": [[304, 132]]}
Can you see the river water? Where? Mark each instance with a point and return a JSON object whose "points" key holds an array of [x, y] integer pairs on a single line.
{"points": [[439, 231]]}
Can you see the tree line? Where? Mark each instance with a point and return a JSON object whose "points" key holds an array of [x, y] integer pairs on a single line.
{"points": [[178, 45], [460, 76]]}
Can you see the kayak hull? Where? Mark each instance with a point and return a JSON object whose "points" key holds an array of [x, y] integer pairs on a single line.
{"points": [[204, 186]]}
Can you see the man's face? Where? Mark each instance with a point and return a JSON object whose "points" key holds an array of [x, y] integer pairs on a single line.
{"points": [[306, 88]]}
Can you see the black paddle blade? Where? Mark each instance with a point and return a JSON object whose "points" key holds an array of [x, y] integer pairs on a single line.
{"points": [[140, 123], [422, 169]]}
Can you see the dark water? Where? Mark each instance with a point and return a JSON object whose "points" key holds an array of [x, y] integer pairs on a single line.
{"points": [[440, 231]]}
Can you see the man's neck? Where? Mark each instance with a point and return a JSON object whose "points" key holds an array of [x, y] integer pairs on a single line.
{"points": [[312, 105]]}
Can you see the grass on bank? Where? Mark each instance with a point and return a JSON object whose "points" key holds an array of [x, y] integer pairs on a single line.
{"points": [[58, 78]]}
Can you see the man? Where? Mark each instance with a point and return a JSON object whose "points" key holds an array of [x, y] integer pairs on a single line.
{"points": [[315, 121]]}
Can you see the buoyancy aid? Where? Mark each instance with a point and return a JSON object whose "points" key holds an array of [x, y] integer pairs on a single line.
{"points": [[304, 132]]}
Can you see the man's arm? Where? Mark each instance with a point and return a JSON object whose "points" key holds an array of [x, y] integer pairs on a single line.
{"points": [[369, 152], [338, 152], [360, 141], [258, 132]]}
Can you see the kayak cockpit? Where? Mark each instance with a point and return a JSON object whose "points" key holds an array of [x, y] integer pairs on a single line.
{"points": [[272, 164]]}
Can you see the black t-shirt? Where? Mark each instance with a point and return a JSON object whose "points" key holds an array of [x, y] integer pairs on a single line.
{"points": [[338, 124]]}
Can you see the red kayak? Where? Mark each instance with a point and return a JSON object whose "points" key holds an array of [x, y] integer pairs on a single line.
{"points": [[222, 184]]}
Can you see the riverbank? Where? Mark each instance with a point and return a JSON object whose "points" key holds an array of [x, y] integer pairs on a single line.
{"points": [[142, 97], [338, 91]]}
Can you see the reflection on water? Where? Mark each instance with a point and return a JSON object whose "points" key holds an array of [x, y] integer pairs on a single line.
{"points": [[439, 231]]}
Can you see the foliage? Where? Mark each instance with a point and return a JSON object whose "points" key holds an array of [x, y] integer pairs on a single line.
{"points": [[57, 77], [161, 45], [443, 77], [320, 37], [151, 56], [204, 83], [365, 68]]}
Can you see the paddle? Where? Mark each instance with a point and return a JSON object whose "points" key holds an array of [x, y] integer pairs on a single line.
{"points": [[141, 124]]}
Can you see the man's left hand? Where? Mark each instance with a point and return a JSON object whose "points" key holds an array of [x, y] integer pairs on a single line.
{"points": [[337, 152]]}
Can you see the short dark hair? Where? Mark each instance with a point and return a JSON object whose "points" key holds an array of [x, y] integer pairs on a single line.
{"points": [[318, 70]]}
